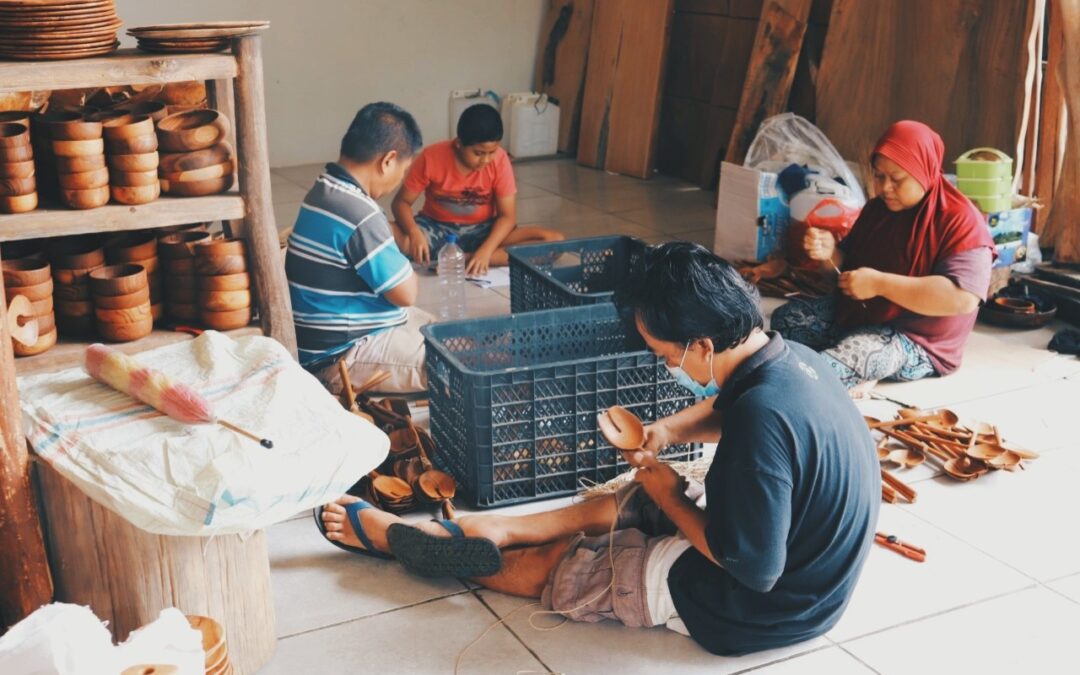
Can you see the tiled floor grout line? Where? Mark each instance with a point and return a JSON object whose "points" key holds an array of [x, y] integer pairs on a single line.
{"points": [[852, 655], [372, 616], [786, 658], [506, 625], [925, 617]]}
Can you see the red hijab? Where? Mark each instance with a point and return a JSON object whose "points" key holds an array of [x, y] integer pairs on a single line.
{"points": [[913, 241]]}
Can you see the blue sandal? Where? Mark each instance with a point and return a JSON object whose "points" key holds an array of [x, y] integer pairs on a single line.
{"points": [[454, 556], [353, 512]]}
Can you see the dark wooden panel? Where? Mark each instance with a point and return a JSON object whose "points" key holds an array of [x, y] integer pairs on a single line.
{"points": [[734, 59], [694, 55], [679, 149], [560, 62], [722, 7], [746, 9]]}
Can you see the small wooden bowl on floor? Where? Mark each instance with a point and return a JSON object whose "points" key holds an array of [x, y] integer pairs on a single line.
{"points": [[220, 264], [140, 312], [128, 127], [75, 130], [13, 134], [16, 154], [182, 311], [86, 180], [198, 159], [180, 244], [147, 161], [119, 178], [17, 187], [44, 342], [81, 148], [136, 145], [139, 297], [76, 253], [192, 130], [224, 301], [25, 272], [86, 199], [37, 291], [118, 279], [226, 320], [126, 332], [225, 282], [132, 195], [17, 169], [206, 173], [80, 164], [198, 188], [20, 204]]}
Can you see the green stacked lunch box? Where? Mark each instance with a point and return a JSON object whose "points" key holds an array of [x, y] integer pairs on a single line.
{"points": [[984, 175]]}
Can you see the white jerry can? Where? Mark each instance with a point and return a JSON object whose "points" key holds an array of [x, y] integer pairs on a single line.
{"points": [[530, 124]]}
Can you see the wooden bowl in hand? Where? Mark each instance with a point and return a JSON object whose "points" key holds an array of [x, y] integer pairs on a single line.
{"points": [[192, 130]]}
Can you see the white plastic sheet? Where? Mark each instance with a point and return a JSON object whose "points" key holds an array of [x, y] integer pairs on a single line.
{"points": [[170, 478]]}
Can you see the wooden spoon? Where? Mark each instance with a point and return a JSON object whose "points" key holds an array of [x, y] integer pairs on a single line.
{"points": [[434, 485], [1007, 459], [965, 468], [947, 417], [23, 332], [621, 428], [906, 457]]}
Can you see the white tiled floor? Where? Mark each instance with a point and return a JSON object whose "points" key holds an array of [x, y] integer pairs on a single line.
{"points": [[1000, 592]]}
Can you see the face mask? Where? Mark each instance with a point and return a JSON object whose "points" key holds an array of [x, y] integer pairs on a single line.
{"points": [[702, 391]]}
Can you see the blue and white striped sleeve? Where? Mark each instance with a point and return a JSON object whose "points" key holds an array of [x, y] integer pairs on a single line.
{"points": [[375, 256]]}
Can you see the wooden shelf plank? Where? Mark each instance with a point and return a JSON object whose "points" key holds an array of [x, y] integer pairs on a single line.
{"points": [[68, 353], [163, 212], [125, 66]]}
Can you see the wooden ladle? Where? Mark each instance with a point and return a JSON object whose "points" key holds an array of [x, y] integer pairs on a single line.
{"points": [[621, 428], [984, 430], [911, 416], [23, 332], [965, 468], [906, 457], [433, 485]]}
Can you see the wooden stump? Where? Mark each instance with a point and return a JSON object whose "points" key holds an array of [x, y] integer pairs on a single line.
{"points": [[127, 576]]}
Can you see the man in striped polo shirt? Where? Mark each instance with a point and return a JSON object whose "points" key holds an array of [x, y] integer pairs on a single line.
{"points": [[352, 289]]}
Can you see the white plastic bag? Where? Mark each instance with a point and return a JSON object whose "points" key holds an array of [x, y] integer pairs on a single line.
{"points": [[787, 139]]}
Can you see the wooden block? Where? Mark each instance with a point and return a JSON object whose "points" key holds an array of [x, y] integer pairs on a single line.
{"points": [[560, 63]]}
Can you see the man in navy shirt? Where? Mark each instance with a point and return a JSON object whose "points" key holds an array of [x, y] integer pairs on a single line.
{"points": [[767, 552]]}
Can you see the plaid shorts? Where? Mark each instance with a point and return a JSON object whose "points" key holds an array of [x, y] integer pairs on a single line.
{"points": [[470, 237], [577, 584]]}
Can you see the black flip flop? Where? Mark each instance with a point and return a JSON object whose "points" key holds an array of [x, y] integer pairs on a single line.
{"points": [[454, 556], [353, 512]]}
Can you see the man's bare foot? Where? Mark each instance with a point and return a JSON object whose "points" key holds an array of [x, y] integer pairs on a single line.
{"points": [[862, 390]]}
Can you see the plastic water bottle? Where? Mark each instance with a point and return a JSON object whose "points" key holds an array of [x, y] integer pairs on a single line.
{"points": [[451, 270]]}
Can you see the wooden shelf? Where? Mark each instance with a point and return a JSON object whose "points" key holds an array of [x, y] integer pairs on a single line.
{"points": [[68, 353], [163, 212], [125, 66]]}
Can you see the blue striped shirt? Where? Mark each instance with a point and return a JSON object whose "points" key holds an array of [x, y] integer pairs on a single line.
{"points": [[341, 260]]}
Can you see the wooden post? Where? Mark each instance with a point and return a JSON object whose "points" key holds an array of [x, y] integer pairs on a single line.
{"points": [[771, 70], [219, 94], [25, 582], [254, 160], [1062, 229], [1050, 151]]}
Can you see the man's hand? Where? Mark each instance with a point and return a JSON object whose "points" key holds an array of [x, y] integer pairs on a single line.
{"points": [[657, 437], [479, 263], [819, 244], [662, 483], [419, 248], [861, 284]]}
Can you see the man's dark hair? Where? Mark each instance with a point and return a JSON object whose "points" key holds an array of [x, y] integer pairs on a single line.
{"points": [[683, 292], [379, 128], [479, 123]]}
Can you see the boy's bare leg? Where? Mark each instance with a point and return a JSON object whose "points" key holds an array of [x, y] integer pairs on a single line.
{"points": [[523, 235]]}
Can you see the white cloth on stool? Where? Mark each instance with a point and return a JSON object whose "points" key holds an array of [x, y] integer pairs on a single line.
{"points": [[171, 478]]}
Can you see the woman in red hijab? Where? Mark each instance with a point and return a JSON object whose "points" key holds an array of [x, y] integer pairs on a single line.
{"points": [[915, 268]]}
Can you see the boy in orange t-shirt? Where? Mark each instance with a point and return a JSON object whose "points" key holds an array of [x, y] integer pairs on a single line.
{"points": [[468, 187]]}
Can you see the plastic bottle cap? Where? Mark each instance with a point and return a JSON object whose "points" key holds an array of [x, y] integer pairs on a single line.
{"points": [[451, 239]]}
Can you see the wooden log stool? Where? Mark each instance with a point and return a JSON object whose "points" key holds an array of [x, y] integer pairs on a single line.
{"points": [[127, 575]]}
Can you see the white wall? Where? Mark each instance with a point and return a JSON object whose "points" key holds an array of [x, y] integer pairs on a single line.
{"points": [[324, 59]]}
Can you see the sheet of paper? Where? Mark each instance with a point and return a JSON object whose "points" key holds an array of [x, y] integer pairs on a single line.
{"points": [[497, 277]]}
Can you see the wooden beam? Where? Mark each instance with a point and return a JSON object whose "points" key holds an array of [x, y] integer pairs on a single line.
{"points": [[1062, 229], [25, 582], [771, 72], [1050, 150], [125, 67], [560, 63], [253, 153]]}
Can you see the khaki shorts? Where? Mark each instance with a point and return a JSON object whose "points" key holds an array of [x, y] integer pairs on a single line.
{"points": [[399, 350], [645, 540]]}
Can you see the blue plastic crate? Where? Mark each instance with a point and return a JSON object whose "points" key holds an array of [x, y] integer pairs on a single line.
{"points": [[514, 400], [570, 273]]}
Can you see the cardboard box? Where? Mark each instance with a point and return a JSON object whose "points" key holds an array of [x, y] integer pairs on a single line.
{"points": [[752, 214], [1010, 231]]}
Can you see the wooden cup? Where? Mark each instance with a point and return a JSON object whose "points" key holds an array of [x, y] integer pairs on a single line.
{"points": [[126, 332], [85, 199], [224, 301], [118, 279], [226, 320], [139, 297], [86, 180], [78, 148], [20, 204], [131, 247], [147, 161], [25, 272], [135, 145], [133, 178], [17, 169], [132, 195], [192, 130], [80, 164]]}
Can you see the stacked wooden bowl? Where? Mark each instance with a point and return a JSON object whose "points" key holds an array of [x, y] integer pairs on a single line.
{"points": [[121, 296], [155, 110], [79, 148], [31, 279], [196, 160], [133, 159], [177, 253], [18, 187], [38, 30], [140, 248], [73, 260], [224, 298]]}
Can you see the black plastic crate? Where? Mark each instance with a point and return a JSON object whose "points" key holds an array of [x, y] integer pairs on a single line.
{"points": [[514, 400], [570, 273]]}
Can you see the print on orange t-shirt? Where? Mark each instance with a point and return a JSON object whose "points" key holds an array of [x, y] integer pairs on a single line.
{"points": [[453, 197]]}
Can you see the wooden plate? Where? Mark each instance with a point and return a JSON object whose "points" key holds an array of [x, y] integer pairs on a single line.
{"points": [[58, 56], [51, 6], [50, 36], [67, 45], [158, 49], [223, 29]]}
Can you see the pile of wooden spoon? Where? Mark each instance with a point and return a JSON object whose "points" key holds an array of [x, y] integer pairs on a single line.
{"points": [[963, 453]]}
